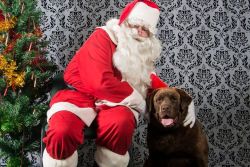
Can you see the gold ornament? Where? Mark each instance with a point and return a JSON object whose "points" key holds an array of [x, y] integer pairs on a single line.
{"points": [[8, 69], [3, 62], [2, 38], [7, 24], [17, 80]]}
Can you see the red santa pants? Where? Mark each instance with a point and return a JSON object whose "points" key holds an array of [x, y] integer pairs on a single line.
{"points": [[65, 131]]}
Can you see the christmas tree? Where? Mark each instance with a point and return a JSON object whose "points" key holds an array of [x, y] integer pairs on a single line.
{"points": [[24, 80]]}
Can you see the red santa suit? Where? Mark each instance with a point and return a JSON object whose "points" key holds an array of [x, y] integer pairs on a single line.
{"points": [[92, 74], [100, 93]]}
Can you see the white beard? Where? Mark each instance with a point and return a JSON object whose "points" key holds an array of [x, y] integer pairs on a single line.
{"points": [[134, 57]]}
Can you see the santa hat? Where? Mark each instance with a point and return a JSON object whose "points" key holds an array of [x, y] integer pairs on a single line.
{"points": [[141, 12]]}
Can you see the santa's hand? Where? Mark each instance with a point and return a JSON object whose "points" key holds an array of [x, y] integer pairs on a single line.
{"points": [[141, 107], [135, 101], [190, 118]]}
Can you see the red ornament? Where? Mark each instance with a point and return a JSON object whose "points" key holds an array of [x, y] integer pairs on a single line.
{"points": [[38, 32], [38, 60], [9, 47], [2, 18], [14, 35]]}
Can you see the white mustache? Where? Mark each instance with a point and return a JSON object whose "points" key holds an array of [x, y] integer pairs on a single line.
{"points": [[134, 34]]}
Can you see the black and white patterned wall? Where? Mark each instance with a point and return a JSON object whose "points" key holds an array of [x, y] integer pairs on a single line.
{"points": [[206, 51]]}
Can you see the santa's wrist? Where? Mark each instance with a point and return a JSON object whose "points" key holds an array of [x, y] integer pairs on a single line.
{"points": [[134, 101], [142, 107], [135, 98]]}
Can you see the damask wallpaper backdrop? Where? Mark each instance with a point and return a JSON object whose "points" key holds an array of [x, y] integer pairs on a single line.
{"points": [[206, 51]]}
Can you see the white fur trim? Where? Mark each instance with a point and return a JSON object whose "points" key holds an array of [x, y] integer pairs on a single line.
{"points": [[148, 15], [111, 28], [111, 104], [106, 158], [48, 161], [134, 102], [153, 72], [110, 33], [87, 115]]}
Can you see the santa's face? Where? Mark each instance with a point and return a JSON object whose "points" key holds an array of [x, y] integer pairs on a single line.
{"points": [[141, 31], [137, 39]]}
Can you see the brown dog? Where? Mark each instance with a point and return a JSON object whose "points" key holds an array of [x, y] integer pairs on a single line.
{"points": [[171, 144]]}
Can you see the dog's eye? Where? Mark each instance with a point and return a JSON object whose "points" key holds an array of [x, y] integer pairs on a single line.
{"points": [[174, 98], [160, 98]]}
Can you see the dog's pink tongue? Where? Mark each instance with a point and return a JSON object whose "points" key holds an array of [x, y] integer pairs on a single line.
{"points": [[167, 122]]}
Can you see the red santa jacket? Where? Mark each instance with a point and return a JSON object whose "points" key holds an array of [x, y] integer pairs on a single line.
{"points": [[97, 82]]}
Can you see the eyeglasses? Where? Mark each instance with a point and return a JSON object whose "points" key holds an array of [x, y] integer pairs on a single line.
{"points": [[140, 27]]}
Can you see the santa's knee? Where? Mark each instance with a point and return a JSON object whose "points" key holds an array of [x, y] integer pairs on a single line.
{"points": [[64, 135], [125, 123], [62, 142], [61, 145], [122, 126], [116, 132]]}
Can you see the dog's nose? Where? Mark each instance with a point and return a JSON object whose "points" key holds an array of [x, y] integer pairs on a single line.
{"points": [[164, 108]]}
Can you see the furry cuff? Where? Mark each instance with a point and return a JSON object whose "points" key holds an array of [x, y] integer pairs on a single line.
{"points": [[48, 161], [106, 158], [87, 115]]}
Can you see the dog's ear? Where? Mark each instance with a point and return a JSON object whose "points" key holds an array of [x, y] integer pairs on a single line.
{"points": [[186, 99], [150, 103]]}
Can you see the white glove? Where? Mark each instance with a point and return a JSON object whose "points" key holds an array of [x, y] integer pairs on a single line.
{"points": [[190, 118], [134, 101]]}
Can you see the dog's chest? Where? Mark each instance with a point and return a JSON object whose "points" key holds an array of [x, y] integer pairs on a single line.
{"points": [[168, 141]]}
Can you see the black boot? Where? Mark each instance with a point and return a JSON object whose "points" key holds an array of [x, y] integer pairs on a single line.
{"points": [[95, 164]]}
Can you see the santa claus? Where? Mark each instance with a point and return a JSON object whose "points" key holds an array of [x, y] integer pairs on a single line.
{"points": [[110, 77]]}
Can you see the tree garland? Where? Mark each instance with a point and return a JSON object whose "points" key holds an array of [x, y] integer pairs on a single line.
{"points": [[12, 78], [25, 80], [7, 24], [8, 69]]}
